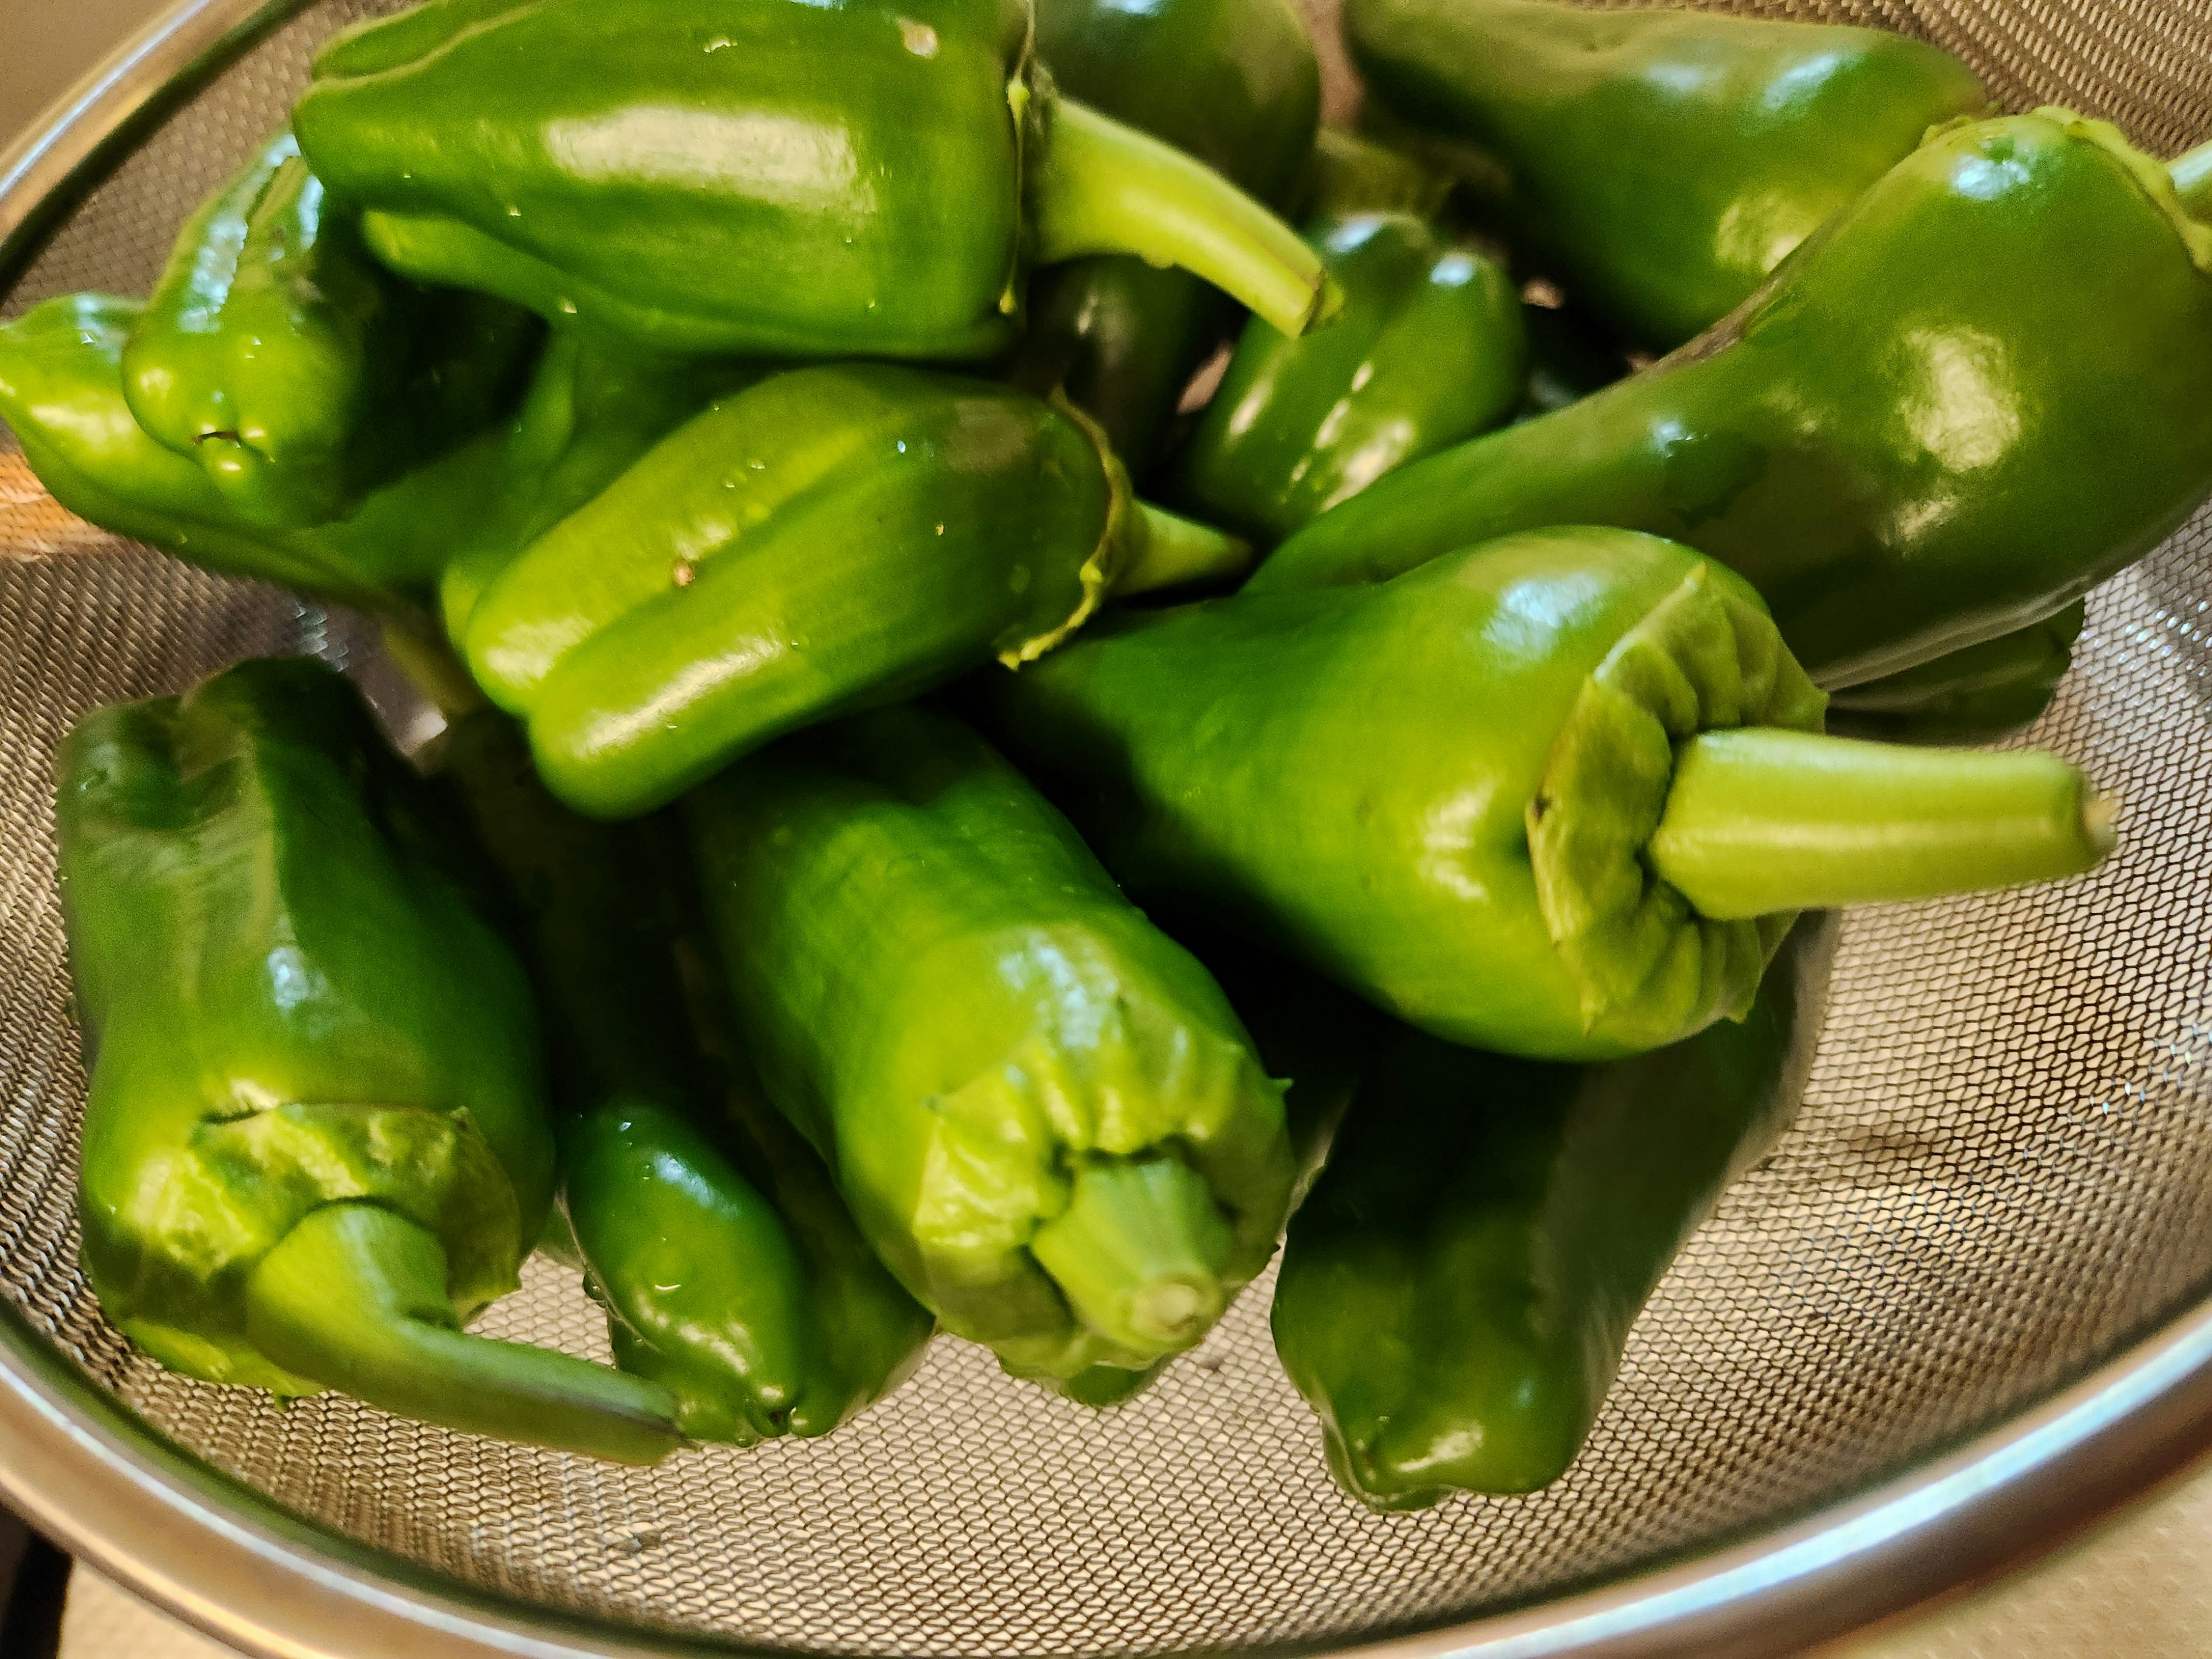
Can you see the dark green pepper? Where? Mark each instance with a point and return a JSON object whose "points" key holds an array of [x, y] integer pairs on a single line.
{"points": [[315, 1143], [295, 369], [1455, 1294], [766, 177], [1041, 1110], [589, 417], [829, 538], [730, 1270], [1935, 425], [1983, 692], [1428, 351], [1234, 84], [1661, 163], [1555, 795]]}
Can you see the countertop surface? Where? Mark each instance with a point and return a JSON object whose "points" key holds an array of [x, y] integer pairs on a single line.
{"points": [[2141, 1584]]}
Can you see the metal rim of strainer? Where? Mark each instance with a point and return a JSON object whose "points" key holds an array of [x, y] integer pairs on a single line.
{"points": [[220, 1556]]}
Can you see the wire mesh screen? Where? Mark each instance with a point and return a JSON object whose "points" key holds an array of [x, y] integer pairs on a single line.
{"points": [[2002, 1171]]}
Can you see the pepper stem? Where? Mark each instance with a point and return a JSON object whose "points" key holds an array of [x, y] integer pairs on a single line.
{"points": [[1762, 820], [1139, 1253], [417, 650], [1106, 188], [354, 1296], [2191, 173], [1172, 549]]}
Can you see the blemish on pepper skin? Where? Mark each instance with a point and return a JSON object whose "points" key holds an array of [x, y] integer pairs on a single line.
{"points": [[920, 39], [684, 573]]}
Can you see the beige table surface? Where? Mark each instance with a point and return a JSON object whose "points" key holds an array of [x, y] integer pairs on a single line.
{"points": [[2141, 1585]]}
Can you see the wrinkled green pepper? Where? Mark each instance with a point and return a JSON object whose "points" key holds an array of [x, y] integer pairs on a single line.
{"points": [[1935, 425], [588, 417], [1556, 795], [730, 1270], [766, 177], [1983, 692], [1234, 84], [829, 538], [61, 389], [1042, 1111], [1661, 163], [1455, 1294], [315, 1142], [1428, 351], [296, 370], [1355, 174]]}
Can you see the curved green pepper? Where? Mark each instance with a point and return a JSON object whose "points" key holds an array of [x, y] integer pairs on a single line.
{"points": [[588, 417], [314, 1143], [761, 176], [1983, 692], [1662, 163], [829, 538], [294, 369], [1935, 425], [1042, 1111], [1234, 84], [1455, 1294], [730, 1270], [1428, 351], [1554, 795]]}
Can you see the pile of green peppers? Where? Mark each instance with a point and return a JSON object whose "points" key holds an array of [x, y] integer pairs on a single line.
{"points": [[843, 908]]}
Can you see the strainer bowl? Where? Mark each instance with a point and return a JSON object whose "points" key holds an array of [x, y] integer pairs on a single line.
{"points": [[1961, 1309]]}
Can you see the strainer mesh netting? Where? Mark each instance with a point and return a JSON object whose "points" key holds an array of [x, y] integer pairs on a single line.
{"points": [[2002, 1171]]}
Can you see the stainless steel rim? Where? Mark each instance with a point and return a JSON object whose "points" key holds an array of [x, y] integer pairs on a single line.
{"points": [[219, 1555]]}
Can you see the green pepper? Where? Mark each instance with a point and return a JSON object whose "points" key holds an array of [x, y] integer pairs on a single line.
{"points": [[1234, 84], [315, 1141], [1355, 174], [1455, 1294], [1661, 163], [1935, 425], [293, 368], [1042, 1111], [1986, 691], [589, 415], [1427, 351], [829, 537], [1556, 795], [766, 177], [730, 1270]]}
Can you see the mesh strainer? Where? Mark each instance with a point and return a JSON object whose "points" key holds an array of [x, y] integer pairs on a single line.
{"points": [[1963, 1305]]}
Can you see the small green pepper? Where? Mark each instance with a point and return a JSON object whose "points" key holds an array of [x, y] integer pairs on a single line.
{"points": [[764, 176], [295, 369], [1234, 84], [1042, 1111], [315, 1142], [1986, 691], [1456, 1292], [829, 537], [730, 1270], [1935, 425], [1428, 351], [1661, 163], [1556, 795]]}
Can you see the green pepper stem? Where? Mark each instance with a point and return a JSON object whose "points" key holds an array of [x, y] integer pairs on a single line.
{"points": [[354, 1296], [1759, 821], [420, 653], [1105, 188], [2191, 173], [1172, 549], [1139, 1253]]}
